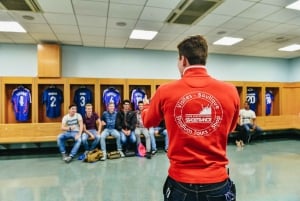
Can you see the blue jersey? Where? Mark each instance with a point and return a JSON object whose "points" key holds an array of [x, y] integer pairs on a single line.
{"points": [[111, 95], [52, 98], [269, 100], [21, 99], [252, 98], [136, 96], [82, 96]]}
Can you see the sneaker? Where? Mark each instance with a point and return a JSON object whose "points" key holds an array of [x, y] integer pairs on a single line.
{"points": [[104, 157], [68, 159], [122, 154], [63, 155], [154, 152], [148, 155]]}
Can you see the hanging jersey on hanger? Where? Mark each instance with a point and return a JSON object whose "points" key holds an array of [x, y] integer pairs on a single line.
{"points": [[82, 96], [111, 95], [52, 98], [137, 95], [21, 100]]}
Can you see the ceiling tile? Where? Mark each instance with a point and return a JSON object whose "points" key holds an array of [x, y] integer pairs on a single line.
{"points": [[155, 14], [92, 8], [125, 11], [60, 19]]}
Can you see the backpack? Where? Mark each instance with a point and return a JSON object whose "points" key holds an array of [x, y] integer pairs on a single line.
{"points": [[141, 150]]}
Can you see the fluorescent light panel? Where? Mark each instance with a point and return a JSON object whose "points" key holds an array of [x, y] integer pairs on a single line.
{"points": [[142, 34], [10, 26], [295, 5], [228, 41], [290, 48]]}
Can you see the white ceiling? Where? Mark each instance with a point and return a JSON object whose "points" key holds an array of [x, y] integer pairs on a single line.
{"points": [[265, 25]]}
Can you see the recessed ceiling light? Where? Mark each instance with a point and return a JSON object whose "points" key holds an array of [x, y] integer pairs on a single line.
{"points": [[10, 26], [221, 32], [28, 17], [121, 24], [295, 5], [290, 48], [142, 34], [227, 41]]}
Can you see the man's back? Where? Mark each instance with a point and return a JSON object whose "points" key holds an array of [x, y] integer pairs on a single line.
{"points": [[199, 115]]}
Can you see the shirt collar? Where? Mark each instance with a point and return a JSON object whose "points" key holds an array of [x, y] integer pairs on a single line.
{"points": [[193, 66]]}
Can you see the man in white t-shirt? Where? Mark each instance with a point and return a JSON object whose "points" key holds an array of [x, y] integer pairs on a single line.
{"points": [[248, 122], [72, 126]]}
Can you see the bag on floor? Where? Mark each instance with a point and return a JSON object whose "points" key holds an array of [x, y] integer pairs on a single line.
{"points": [[141, 150], [129, 153], [93, 156], [113, 155]]}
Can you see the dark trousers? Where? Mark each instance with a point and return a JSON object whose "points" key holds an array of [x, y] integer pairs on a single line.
{"points": [[177, 191]]}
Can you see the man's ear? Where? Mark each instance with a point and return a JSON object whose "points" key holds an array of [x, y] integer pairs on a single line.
{"points": [[184, 61]]}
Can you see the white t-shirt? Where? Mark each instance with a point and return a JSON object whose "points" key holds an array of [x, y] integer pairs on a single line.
{"points": [[74, 120], [246, 116]]}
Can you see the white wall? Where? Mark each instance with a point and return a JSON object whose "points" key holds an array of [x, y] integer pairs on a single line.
{"points": [[77, 61], [294, 72]]}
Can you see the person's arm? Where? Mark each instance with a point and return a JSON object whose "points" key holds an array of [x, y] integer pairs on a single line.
{"points": [[87, 131], [80, 122], [64, 125], [119, 122], [133, 121], [99, 124], [152, 114]]}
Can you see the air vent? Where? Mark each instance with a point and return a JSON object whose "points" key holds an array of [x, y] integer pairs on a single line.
{"points": [[21, 5], [189, 11]]}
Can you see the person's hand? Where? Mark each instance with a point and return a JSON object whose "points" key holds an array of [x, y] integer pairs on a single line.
{"points": [[77, 136], [92, 137], [146, 100]]}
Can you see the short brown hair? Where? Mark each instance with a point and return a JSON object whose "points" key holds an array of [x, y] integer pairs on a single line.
{"points": [[195, 49]]}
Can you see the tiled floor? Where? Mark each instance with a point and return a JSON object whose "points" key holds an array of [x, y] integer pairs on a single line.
{"points": [[263, 171]]}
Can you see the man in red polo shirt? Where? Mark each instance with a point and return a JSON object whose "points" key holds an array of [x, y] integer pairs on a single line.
{"points": [[199, 113]]}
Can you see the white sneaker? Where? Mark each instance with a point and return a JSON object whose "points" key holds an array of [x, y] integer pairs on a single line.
{"points": [[122, 154], [104, 157]]}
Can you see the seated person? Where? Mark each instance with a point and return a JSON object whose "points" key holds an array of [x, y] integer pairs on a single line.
{"points": [[160, 129], [72, 127], [241, 136], [140, 129], [91, 128], [247, 119], [109, 123], [126, 123]]}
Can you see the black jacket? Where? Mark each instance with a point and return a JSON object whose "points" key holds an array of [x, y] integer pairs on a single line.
{"points": [[130, 123]]}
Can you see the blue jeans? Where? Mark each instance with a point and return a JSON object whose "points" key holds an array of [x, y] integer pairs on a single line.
{"points": [[125, 140], [85, 142], [61, 139], [177, 191], [106, 132], [247, 128], [152, 137]]}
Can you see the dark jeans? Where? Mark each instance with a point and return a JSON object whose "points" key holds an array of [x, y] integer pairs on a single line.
{"points": [[177, 191]]}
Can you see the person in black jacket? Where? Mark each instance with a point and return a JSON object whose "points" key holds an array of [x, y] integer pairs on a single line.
{"points": [[126, 123]]}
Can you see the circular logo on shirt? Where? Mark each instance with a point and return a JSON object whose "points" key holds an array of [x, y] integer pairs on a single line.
{"points": [[198, 113]]}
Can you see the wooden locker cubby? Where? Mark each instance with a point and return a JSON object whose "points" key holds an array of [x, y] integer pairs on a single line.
{"points": [[120, 88], [8, 85], [74, 87], [119, 84], [42, 116], [144, 84], [259, 105], [1, 100], [76, 83], [275, 110]]}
